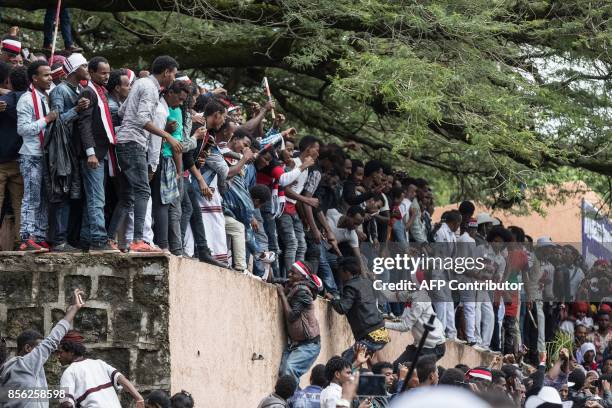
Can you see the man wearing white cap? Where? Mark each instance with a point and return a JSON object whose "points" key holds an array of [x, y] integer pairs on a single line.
{"points": [[67, 101], [485, 222]]}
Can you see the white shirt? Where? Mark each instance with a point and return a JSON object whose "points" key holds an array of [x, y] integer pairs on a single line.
{"points": [[342, 234], [330, 395], [299, 183], [155, 142], [91, 383], [404, 207]]}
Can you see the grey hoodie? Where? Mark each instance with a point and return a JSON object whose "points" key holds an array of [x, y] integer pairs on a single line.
{"points": [[273, 401], [27, 371]]}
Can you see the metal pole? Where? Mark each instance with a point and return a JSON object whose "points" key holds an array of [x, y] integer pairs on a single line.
{"points": [[57, 23], [429, 326]]}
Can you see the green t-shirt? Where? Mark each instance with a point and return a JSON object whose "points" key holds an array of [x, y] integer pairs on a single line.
{"points": [[177, 115]]}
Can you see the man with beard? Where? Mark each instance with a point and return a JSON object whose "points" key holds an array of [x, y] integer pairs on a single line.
{"points": [[97, 137]]}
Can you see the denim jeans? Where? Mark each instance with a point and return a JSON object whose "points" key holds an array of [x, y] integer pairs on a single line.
{"points": [[59, 217], [34, 203], [160, 213], [193, 217], [298, 359], [399, 231], [269, 224], [134, 190], [291, 233], [11, 187], [253, 248], [65, 26], [175, 238], [93, 230], [325, 271]]}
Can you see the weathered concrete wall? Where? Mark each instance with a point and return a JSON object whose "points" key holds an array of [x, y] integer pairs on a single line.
{"points": [[173, 323], [124, 322], [220, 320]]}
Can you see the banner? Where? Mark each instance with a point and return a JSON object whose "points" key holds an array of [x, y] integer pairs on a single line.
{"points": [[596, 234]]}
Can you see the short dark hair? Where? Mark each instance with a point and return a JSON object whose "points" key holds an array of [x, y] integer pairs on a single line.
{"points": [[350, 264], [160, 398], [354, 210], [260, 192], [78, 349], [425, 367], [452, 216], [95, 62], [372, 167], [496, 375], [452, 376], [379, 197], [381, 365], [318, 376], [114, 78], [335, 364], [5, 70], [462, 367], [421, 183], [518, 233], [27, 337], [396, 192], [241, 133], [355, 165], [499, 231], [285, 386], [179, 86], [306, 142], [182, 399], [213, 106], [33, 68], [162, 63], [19, 79], [467, 208]]}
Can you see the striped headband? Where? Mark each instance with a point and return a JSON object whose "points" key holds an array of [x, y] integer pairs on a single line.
{"points": [[304, 270], [480, 373], [73, 62], [11, 46], [131, 75]]}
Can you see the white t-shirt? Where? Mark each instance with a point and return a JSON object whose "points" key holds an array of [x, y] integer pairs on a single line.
{"points": [[298, 184], [330, 395], [91, 384], [342, 234]]}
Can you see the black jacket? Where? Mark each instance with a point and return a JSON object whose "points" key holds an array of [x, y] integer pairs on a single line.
{"points": [[10, 141], [91, 129], [358, 303]]}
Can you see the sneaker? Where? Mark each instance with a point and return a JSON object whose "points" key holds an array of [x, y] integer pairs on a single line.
{"points": [[266, 274], [45, 245], [72, 49], [29, 245], [480, 348], [111, 243], [104, 249], [267, 257], [141, 246], [65, 247]]}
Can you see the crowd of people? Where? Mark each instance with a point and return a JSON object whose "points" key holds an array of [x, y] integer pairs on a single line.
{"points": [[100, 159]]}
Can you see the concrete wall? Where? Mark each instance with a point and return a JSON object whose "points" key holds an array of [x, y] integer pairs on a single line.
{"points": [[126, 315], [219, 320], [173, 323]]}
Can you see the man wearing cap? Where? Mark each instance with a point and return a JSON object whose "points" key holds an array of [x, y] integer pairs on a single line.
{"points": [[485, 222], [90, 383], [67, 100], [11, 51], [297, 301]]}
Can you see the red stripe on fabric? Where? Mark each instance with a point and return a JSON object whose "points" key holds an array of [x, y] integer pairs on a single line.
{"points": [[12, 48], [37, 109], [91, 391]]}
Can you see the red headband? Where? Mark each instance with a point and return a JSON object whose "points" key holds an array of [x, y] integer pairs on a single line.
{"points": [[305, 271]]}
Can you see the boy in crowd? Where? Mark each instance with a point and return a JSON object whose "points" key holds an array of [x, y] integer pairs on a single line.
{"points": [[33, 116], [90, 383]]}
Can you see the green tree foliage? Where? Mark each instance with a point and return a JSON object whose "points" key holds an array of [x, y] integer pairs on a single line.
{"points": [[491, 99]]}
